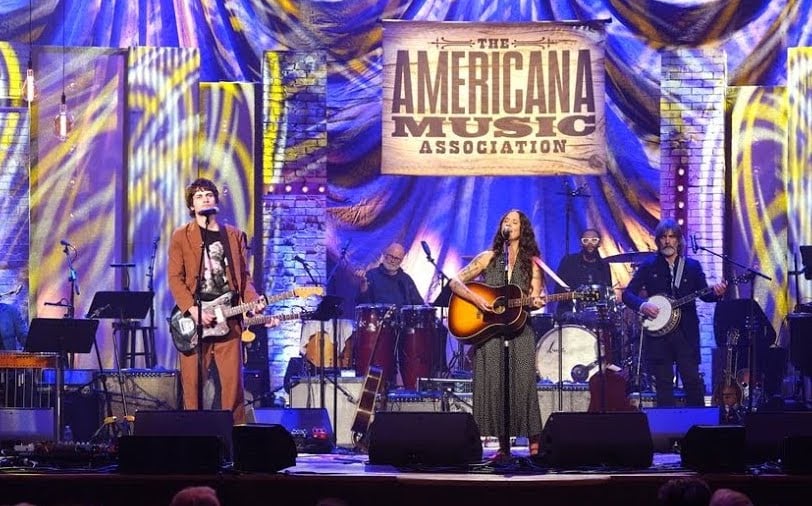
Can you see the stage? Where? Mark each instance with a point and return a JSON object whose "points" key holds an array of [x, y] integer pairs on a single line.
{"points": [[348, 476]]}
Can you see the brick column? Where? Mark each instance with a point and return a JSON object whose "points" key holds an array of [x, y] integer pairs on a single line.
{"points": [[14, 217], [692, 182], [294, 168]]}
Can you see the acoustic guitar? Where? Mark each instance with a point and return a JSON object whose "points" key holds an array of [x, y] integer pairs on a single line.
{"points": [[729, 394], [366, 407], [467, 323]]}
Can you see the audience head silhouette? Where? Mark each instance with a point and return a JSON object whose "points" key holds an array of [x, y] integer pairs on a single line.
{"points": [[196, 496]]}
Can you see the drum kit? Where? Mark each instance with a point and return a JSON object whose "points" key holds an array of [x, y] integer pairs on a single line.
{"points": [[578, 333]]}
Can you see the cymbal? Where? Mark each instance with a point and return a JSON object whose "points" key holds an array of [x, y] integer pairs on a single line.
{"points": [[630, 257]]}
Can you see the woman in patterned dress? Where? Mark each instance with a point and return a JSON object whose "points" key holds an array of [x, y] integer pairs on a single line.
{"points": [[515, 234]]}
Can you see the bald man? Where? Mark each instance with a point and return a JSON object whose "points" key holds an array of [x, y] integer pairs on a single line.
{"points": [[388, 283]]}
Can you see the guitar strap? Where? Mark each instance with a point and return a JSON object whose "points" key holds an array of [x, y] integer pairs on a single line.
{"points": [[676, 278], [546, 268]]}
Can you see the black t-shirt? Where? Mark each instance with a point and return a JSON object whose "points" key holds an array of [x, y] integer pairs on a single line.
{"points": [[215, 264]]}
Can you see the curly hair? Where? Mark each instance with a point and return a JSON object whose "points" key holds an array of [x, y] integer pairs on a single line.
{"points": [[528, 247], [198, 185]]}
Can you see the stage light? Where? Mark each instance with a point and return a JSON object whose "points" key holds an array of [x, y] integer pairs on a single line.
{"points": [[288, 188], [30, 85], [64, 120], [322, 188]]}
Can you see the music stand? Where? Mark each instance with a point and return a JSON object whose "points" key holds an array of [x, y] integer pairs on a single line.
{"points": [[124, 305], [806, 258], [736, 315], [121, 306], [329, 308], [60, 336]]}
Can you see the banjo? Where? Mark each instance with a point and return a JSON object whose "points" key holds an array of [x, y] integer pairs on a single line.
{"points": [[669, 316]]}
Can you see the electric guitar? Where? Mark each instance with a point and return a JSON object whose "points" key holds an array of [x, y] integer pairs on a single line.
{"points": [[669, 316], [184, 329], [467, 323]]}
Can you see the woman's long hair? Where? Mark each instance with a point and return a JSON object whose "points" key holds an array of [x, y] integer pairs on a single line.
{"points": [[528, 247]]}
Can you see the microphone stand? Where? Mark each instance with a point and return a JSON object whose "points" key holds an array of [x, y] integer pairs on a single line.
{"points": [[504, 438], [151, 288], [570, 194], [753, 349], [341, 260], [74, 290], [444, 281], [204, 250]]}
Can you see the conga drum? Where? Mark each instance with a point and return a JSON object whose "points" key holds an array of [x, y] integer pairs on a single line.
{"points": [[417, 344], [374, 343]]}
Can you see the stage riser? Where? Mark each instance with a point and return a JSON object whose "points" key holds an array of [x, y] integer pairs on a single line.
{"points": [[574, 399]]}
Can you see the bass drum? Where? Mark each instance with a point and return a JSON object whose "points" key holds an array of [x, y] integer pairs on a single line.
{"points": [[579, 349]]}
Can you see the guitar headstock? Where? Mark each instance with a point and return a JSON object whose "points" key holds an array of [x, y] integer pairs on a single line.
{"points": [[307, 291]]}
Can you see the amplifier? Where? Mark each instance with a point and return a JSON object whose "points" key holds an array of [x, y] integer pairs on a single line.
{"points": [[433, 402], [307, 394], [445, 385], [144, 390]]}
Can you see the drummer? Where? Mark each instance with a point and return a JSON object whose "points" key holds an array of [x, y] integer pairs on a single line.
{"points": [[583, 269], [388, 283]]}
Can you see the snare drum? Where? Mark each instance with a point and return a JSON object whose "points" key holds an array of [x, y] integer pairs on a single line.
{"points": [[375, 326], [579, 350], [418, 326]]}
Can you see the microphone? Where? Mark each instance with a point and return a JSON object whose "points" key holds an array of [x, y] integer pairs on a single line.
{"points": [[694, 246], [426, 248], [505, 231], [65, 243], [208, 212], [299, 259], [345, 247]]}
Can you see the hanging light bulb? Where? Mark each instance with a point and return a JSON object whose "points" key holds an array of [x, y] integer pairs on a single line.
{"points": [[63, 122], [30, 85]]}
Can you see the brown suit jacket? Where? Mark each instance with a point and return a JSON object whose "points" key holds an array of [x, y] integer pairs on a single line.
{"points": [[185, 248]]}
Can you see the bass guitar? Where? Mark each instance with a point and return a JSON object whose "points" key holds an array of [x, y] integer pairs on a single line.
{"points": [[669, 316], [184, 329], [467, 323]]}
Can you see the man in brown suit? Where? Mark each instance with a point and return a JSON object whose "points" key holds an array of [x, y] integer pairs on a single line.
{"points": [[225, 269]]}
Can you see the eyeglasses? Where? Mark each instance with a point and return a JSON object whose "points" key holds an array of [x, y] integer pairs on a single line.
{"points": [[392, 258], [590, 240]]}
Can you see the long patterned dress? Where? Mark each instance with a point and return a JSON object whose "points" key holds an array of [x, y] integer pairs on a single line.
{"points": [[525, 416]]}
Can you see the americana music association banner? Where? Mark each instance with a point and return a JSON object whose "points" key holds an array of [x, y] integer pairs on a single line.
{"points": [[474, 99]]}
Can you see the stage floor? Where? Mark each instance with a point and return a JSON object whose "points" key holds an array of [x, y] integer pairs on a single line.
{"points": [[347, 476]]}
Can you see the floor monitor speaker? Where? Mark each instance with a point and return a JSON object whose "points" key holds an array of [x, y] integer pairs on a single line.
{"points": [[263, 448], [424, 438], [572, 440], [714, 448]]}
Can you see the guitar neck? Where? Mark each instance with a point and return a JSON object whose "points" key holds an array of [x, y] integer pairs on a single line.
{"points": [[263, 319], [690, 297], [553, 297]]}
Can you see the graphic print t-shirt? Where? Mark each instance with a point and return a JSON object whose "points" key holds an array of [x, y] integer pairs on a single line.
{"points": [[215, 265]]}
